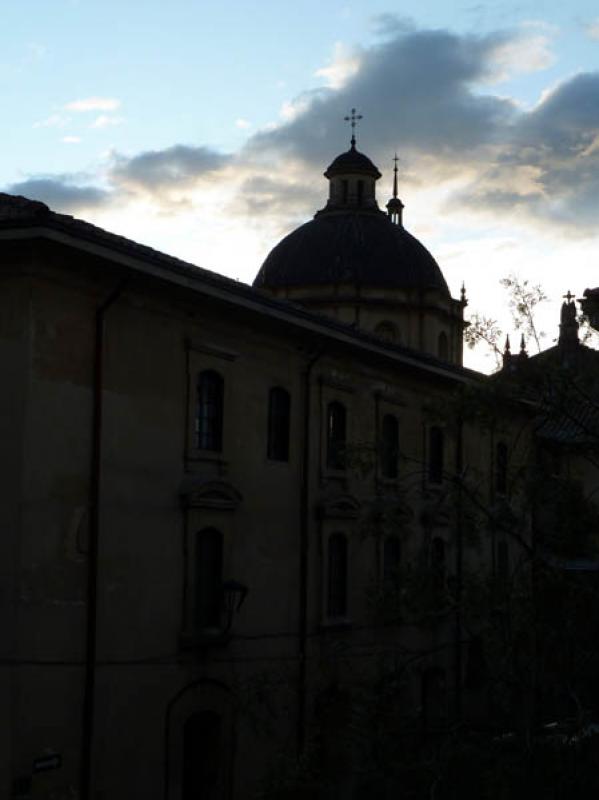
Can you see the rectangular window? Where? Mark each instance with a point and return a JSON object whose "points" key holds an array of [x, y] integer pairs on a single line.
{"points": [[337, 576], [209, 411], [336, 435], [208, 605], [435, 455]]}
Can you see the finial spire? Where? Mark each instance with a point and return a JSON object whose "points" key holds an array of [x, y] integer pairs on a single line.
{"points": [[507, 353], [395, 206], [353, 119], [395, 159], [463, 299]]}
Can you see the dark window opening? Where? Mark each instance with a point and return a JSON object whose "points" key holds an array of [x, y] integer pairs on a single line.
{"points": [[279, 404], [360, 192], [443, 346], [209, 413], [389, 446], [208, 579], [337, 576], [336, 433], [202, 752], [435, 455], [344, 190], [501, 468]]}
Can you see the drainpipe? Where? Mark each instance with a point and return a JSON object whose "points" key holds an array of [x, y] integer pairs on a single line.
{"points": [[303, 561], [88, 711], [459, 466]]}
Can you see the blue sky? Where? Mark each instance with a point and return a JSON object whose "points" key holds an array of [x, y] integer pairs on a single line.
{"points": [[204, 129]]}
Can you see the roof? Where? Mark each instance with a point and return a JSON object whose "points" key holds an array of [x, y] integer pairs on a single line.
{"points": [[359, 247], [352, 161], [561, 385], [21, 218]]}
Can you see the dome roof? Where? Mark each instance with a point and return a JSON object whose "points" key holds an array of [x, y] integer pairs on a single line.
{"points": [[352, 161], [365, 249]]}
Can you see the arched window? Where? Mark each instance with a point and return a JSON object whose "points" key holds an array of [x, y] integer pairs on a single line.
{"points": [[337, 576], [208, 603], [443, 346], [389, 446], [209, 413], [202, 754], [391, 561], [501, 468], [336, 433], [279, 404], [435, 455]]}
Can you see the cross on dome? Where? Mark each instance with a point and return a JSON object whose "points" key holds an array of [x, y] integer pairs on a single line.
{"points": [[353, 119]]}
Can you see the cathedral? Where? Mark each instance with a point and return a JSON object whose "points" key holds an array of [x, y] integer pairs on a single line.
{"points": [[214, 497]]}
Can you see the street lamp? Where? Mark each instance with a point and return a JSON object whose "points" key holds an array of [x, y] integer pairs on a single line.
{"points": [[234, 594]]}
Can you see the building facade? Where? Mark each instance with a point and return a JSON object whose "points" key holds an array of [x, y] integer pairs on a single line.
{"points": [[208, 491]]}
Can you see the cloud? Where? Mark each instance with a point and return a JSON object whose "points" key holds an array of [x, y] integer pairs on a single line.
{"points": [[244, 124], [60, 194], [53, 121], [71, 139], [93, 104], [344, 64], [280, 201], [105, 121], [548, 166], [421, 92], [528, 52], [592, 29], [415, 91], [177, 167], [429, 94]]}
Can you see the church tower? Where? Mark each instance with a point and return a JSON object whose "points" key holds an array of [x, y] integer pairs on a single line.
{"points": [[360, 265]]}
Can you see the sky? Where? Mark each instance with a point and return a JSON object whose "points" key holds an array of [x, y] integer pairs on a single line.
{"points": [[203, 130]]}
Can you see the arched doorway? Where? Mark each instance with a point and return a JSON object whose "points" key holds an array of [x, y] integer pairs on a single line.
{"points": [[200, 743]]}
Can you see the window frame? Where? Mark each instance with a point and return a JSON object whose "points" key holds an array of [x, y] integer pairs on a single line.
{"points": [[335, 444], [207, 601], [337, 577], [211, 438]]}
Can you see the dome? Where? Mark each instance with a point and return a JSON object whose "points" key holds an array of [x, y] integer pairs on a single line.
{"points": [[352, 161], [365, 249]]}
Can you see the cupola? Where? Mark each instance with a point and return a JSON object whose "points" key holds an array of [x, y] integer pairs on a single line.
{"points": [[359, 265]]}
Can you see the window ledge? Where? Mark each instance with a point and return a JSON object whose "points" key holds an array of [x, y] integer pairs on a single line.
{"points": [[194, 460]]}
